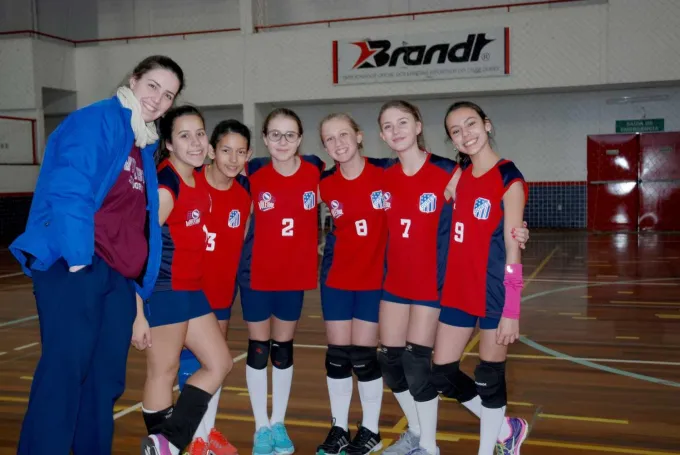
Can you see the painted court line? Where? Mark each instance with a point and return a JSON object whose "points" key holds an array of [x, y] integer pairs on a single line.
{"points": [[134, 407], [18, 321], [10, 275], [26, 346]]}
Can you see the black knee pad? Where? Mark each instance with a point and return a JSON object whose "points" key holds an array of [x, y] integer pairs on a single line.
{"points": [[417, 366], [390, 361], [258, 354], [282, 354], [453, 383], [365, 363], [338, 363], [490, 381]]}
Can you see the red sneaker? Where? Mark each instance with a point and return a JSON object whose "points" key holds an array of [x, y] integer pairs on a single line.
{"points": [[197, 447], [218, 444]]}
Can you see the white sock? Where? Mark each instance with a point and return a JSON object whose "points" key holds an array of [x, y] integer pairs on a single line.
{"points": [[408, 405], [371, 394], [281, 380], [340, 393], [474, 406], [427, 416], [257, 389], [489, 427], [208, 420], [506, 430]]}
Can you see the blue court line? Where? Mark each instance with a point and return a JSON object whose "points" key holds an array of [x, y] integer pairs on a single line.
{"points": [[587, 363]]}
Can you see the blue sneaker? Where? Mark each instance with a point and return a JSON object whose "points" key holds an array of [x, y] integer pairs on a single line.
{"points": [[263, 443], [519, 431], [282, 443]]}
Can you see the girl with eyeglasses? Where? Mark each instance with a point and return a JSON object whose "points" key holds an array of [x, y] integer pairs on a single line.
{"points": [[279, 262]]}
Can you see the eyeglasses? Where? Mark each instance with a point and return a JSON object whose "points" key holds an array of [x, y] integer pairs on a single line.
{"points": [[276, 135]]}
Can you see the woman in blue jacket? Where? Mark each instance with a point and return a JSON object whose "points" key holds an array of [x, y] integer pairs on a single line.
{"points": [[93, 248]]}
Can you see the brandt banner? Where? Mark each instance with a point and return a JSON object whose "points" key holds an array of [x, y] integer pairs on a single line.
{"points": [[455, 54]]}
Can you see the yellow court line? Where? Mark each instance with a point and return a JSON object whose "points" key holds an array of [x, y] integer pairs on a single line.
{"points": [[569, 314], [668, 316], [585, 318], [583, 418], [644, 302], [606, 276], [626, 292], [627, 338]]}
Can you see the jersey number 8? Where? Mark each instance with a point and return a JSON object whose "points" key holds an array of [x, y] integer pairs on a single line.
{"points": [[362, 228]]}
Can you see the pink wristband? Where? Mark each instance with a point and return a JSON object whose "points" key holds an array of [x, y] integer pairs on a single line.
{"points": [[513, 283]]}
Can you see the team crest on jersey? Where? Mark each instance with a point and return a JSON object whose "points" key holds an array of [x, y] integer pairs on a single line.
{"points": [[265, 201], [193, 217], [234, 219], [427, 202], [387, 200], [377, 200], [309, 200], [482, 208], [336, 209]]}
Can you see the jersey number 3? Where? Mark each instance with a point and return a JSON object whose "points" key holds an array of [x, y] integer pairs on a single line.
{"points": [[287, 230], [210, 239], [458, 230]]}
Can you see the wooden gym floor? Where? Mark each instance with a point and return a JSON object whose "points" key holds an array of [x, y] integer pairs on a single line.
{"points": [[597, 371]]}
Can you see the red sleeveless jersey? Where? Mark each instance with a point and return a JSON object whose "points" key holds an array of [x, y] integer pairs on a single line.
{"points": [[280, 251], [184, 238], [476, 262], [354, 256], [225, 227], [418, 219]]}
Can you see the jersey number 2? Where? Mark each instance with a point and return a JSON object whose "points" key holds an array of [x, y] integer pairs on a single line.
{"points": [[287, 230], [458, 230]]}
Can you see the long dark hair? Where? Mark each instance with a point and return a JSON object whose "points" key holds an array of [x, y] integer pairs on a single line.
{"points": [[227, 127], [462, 158], [166, 125], [159, 61]]}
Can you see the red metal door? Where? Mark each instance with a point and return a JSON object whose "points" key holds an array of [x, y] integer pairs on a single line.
{"points": [[660, 181], [613, 196]]}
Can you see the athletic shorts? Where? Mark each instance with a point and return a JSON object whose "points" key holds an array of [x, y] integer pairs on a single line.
{"points": [[171, 307], [396, 299], [459, 318], [343, 305], [261, 305]]}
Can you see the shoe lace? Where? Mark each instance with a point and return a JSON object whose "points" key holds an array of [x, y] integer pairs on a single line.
{"points": [[362, 437], [279, 432]]}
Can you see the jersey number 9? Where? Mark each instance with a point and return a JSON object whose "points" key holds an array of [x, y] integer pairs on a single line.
{"points": [[458, 232]]}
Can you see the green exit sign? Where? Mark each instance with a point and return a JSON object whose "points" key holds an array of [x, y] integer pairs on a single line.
{"points": [[650, 125]]}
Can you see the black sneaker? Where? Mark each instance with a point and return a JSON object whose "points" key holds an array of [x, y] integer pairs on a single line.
{"points": [[364, 442], [336, 441]]}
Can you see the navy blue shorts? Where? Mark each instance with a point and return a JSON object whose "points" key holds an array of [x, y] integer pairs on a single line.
{"points": [[223, 314], [342, 305], [259, 306], [396, 299], [171, 307], [459, 318]]}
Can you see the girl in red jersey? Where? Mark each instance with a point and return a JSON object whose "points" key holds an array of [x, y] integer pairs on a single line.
{"points": [[178, 312], [417, 198], [225, 229], [279, 262], [351, 289], [490, 199]]}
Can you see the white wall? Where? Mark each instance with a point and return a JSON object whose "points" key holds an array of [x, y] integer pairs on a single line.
{"points": [[17, 87], [545, 134]]}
